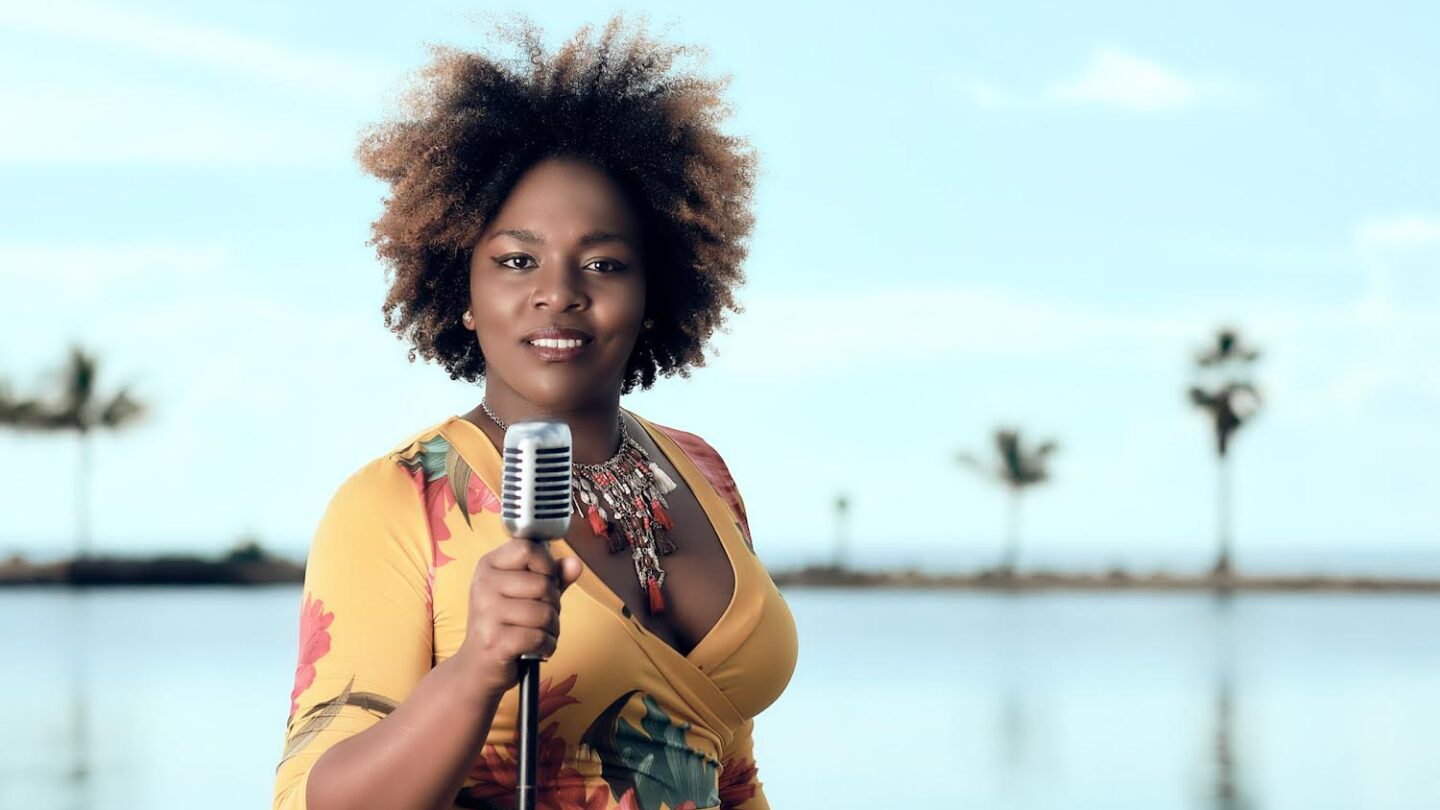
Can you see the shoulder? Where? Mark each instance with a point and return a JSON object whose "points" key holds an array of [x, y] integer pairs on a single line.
{"points": [[397, 475], [422, 454], [712, 465], [702, 455]]}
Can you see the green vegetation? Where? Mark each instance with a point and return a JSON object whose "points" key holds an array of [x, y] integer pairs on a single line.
{"points": [[1016, 468], [78, 407]]}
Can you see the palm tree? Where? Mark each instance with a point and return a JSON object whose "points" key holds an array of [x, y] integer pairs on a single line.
{"points": [[1231, 400], [79, 408], [842, 510], [1016, 468]]}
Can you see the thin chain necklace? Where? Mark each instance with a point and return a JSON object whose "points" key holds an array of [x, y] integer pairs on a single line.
{"points": [[623, 500]]}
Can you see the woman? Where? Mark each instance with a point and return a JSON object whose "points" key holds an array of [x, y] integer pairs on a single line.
{"points": [[568, 233]]}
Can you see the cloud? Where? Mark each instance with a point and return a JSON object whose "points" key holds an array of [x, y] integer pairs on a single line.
{"points": [[915, 325], [89, 85], [1113, 78], [149, 123], [1398, 232], [1394, 354], [981, 93], [101, 270], [206, 46]]}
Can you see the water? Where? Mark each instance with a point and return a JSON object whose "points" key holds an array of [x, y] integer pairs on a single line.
{"points": [[177, 698]]}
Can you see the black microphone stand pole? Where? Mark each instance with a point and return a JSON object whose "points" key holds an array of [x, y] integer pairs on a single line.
{"points": [[529, 723]]}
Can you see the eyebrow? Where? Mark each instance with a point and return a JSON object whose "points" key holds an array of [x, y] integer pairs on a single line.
{"points": [[533, 238]]}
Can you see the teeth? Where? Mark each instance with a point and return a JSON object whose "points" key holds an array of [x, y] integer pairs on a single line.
{"points": [[556, 343]]}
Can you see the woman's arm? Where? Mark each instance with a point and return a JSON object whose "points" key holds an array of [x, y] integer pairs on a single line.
{"points": [[417, 757], [372, 724]]}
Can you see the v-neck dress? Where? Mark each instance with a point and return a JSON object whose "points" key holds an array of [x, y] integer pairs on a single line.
{"points": [[626, 720]]}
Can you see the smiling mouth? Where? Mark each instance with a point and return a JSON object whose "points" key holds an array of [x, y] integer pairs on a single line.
{"points": [[556, 343], [555, 350]]}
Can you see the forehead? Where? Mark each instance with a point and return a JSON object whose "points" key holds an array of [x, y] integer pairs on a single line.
{"points": [[564, 197]]}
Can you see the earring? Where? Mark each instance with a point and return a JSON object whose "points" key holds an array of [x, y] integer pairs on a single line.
{"points": [[468, 318], [649, 323]]}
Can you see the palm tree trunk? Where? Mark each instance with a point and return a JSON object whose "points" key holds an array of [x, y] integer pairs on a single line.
{"points": [[1011, 554], [1223, 539], [82, 500]]}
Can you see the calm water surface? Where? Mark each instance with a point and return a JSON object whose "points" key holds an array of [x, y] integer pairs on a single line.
{"points": [[166, 698]]}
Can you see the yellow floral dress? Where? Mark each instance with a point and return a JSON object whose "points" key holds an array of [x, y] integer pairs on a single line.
{"points": [[626, 720]]}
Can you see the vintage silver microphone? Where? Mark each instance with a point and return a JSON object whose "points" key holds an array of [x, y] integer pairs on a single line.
{"points": [[534, 504]]}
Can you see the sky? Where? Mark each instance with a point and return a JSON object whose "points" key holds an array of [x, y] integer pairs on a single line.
{"points": [[969, 215]]}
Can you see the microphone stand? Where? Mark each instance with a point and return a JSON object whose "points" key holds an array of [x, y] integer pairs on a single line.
{"points": [[529, 723], [535, 503]]}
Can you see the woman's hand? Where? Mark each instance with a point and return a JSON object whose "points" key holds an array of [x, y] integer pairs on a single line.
{"points": [[514, 609]]}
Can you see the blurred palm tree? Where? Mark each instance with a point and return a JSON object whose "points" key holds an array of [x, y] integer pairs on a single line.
{"points": [[842, 511], [1231, 400], [1016, 468], [77, 407]]}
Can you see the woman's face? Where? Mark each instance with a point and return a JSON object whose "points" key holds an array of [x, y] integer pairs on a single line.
{"points": [[564, 251]]}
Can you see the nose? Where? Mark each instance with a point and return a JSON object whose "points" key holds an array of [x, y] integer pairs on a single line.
{"points": [[561, 288]]}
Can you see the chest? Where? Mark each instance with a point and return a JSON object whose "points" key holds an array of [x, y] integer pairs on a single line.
{"points": [[699, 578]]}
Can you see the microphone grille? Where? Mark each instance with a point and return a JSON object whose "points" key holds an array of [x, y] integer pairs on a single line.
{"points": [[535, 485]]}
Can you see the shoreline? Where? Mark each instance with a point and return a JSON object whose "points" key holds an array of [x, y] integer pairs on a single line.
{"points": [[1115, 580], [260, 569]]}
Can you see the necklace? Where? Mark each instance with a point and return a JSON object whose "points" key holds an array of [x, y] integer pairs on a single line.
{"points": [[623, 500]]}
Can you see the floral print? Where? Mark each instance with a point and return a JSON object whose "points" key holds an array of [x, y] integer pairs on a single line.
{"points": [[737, 783], [647, 768], [314, 642], [618, 738], [655, 760], [318, 717], [712, 466], [560, 787], [445, 481]]}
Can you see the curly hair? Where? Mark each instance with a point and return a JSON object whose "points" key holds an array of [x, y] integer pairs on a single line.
{"points": [[473, 124]]}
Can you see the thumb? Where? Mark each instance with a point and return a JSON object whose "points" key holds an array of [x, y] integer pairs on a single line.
{"points": [[570, 570]]}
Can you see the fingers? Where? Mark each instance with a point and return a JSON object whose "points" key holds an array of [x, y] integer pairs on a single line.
{"points": [[570, 570], [520, 554], [529, 613], [516, 595], [527, 584]]}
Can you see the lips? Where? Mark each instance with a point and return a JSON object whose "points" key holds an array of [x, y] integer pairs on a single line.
{"points": [[557, 344], [559, 333]]}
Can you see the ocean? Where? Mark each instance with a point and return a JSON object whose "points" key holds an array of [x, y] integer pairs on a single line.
{"points": [[177, 698]]}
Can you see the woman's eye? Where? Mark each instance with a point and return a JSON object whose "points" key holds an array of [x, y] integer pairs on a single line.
{"points": [[505, 262], [609, 266]]}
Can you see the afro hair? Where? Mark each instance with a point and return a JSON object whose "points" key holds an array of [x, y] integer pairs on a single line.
{"points": [[471, 125]]}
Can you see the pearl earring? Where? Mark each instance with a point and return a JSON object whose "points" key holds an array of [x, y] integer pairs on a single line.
{"points": [[468, 318], [649, 323]]}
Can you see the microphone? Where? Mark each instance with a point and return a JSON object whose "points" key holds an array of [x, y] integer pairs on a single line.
{"points": [[534, 504]]}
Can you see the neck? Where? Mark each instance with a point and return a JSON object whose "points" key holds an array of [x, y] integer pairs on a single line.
{"points": [[594, 427]]}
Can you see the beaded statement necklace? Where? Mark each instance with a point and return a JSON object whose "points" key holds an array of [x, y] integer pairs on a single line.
{"points": [[623, 500]]}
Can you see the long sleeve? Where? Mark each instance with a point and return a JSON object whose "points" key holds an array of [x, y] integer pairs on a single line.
{"points": [[366, 636], [740, 785]]}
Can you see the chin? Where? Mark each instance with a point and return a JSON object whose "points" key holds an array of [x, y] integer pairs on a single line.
{"points": [[567, 391]]}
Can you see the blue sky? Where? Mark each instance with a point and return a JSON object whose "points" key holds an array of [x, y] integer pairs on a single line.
{"points": [[968, 215]]}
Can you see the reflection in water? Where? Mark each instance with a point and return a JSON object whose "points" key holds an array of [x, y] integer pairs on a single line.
{"points": [[1012, 739], [78, 775], [1074, 701], [1226, 792]]}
